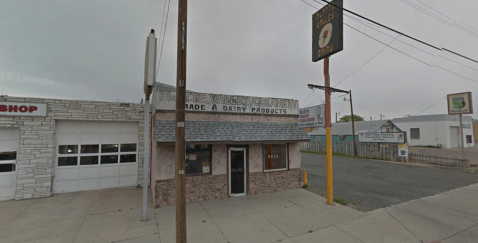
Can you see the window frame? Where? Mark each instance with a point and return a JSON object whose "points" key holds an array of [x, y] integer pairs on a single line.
{"points": [[469, 137], [411, 134], [210, 167], [10, 161], [78, 155], [264, 170]]}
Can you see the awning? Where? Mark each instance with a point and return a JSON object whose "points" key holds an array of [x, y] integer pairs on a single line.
{"points": [[226, 131]]}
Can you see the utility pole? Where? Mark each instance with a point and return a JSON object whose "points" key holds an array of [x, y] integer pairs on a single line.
{"points": [[328, 132], [380, 117], [353, 122], [462, 138], [180, 124]]}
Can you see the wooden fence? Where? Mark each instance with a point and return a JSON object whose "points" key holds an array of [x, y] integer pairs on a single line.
{"points": [[381, 151], [446, 162]]}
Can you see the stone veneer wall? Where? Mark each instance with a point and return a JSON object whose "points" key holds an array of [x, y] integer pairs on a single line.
{"points": [[198, 188], [260, 182], [36, 155]]}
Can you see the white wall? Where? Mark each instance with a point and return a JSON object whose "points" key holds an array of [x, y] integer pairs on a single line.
{"points": [[433, 133]]}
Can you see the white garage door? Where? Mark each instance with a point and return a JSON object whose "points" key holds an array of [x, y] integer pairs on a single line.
{"points": [[95, 155], [455, 137], [9, 141]]}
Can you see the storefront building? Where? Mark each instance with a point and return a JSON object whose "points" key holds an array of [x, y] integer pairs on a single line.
{"points": [[235, 145], [52, 146]]}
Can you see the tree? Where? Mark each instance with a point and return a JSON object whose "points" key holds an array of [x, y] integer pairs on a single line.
{"points": [[347, 118]]}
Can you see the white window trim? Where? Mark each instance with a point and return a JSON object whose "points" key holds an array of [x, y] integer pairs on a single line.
{"points": [[286, 154], [78, 155]]}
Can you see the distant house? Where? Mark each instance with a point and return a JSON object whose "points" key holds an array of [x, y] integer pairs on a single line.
{"points": [[342, 131], [437, 130]]}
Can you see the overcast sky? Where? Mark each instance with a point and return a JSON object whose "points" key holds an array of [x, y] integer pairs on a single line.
{"points": [[94, 50]]}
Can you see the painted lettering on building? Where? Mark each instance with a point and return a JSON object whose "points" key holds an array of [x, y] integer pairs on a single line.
{"points": [[22, 109]]}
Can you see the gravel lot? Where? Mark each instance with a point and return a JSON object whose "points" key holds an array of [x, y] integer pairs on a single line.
{"points": [[374, 184]]}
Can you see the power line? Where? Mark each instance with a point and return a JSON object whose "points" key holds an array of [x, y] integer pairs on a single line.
{"points": [[431, 105], [162, 42], [160, 32], [391, 29], [308, 97]]}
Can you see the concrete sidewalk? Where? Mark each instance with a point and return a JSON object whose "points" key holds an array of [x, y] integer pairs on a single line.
{"points": [[290, 216]]}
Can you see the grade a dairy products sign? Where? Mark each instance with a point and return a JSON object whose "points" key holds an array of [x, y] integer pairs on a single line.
{"points": [[312, 116]]}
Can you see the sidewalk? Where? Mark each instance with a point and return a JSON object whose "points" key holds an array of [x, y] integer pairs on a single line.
{"points": [[295, 216]]}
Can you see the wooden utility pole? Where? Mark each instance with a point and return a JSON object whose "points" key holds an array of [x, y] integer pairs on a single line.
{"points": [[328, 132], [180, 124], [353, 122]]}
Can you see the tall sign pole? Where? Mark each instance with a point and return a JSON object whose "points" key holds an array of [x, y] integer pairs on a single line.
{"points": [[327, 39], [328, 133], [180, 124], [149, 82], [353, 122], [459, 104]]}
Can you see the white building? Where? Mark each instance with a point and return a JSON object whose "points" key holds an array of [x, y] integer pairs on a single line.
{"points": [[436, 130]]}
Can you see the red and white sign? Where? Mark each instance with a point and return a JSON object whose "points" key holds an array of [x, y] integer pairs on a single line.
{"points": [[22, 109]]}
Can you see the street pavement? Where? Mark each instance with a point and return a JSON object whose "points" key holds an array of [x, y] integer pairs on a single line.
{"points": [[295, 216], [374, 184]]}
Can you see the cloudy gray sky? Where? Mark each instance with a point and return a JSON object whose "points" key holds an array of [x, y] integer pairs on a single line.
{"points": [[94, 50]]}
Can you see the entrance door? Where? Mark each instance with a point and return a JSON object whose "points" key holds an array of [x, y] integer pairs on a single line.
{"points": [[237, 171], [455, 137]]}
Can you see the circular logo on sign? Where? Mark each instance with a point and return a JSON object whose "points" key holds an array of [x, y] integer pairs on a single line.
{"points": [[325, 35], [318, 113]]}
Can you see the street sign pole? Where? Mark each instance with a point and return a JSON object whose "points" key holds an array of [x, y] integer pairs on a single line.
{"points": [[461, 136], [353, 122], [328, 132]]}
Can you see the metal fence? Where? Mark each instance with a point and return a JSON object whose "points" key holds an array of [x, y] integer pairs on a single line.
{"points": [[381, 151], [446, 162]]}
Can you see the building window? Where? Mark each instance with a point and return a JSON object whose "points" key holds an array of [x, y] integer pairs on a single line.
{"points": [[96, 154], [198, 159], [469, 139], [275, 157], [414, 133]]}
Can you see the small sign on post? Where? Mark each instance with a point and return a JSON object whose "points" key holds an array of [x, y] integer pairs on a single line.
{"points": [[327, 30], [461, 103], [313, 116]]}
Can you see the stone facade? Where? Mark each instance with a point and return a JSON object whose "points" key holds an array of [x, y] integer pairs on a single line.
{"points": [[198, 188], [36, 155], [267, 182]]}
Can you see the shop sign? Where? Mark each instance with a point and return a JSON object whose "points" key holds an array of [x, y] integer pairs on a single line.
{"points": [[312, 116], [377, 137], [229, 103], [403, 150], [461, 103], [22, 109], [327, 30]]}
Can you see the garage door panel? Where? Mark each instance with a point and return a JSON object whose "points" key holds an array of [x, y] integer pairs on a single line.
{"points": [[109, 138], [67, 139], [129, 128], [109, 182], [109, 171], [9, 135], [7, 193], [7, 179], [7, 146], [110, 128], [128, 169], [129, 138], [89, 184], [128, 180], [66, 174], [90, 128], [67, 127], [89, 139], [66, 186], [89, 173]]}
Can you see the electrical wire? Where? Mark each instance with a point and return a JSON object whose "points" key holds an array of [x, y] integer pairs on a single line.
{"points": [[431, 105], [160, 32], [164, 34], [396, 31], [308, 97]]}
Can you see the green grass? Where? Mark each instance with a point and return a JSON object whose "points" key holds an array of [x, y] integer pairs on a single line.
{"points": [[305, 185], [340, 201]]}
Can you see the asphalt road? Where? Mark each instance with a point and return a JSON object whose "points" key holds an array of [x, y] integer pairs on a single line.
{"points": [[374, 184]]}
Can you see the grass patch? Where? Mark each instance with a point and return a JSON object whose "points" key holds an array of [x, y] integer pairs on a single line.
{"points": [[340, 201], [305, 185]]}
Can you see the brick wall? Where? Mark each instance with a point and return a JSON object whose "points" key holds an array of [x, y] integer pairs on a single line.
{"points": [[198, 188], [36, 155], [260, 182]]}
